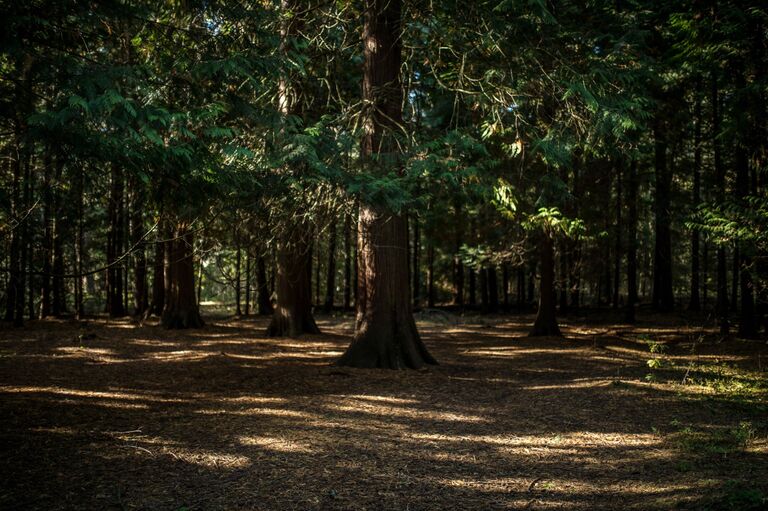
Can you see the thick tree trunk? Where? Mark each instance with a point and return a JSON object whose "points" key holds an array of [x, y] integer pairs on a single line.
{"points": [[695, 301], [293, 312], [663, 298], [546, 321], [385, 333], [181, 308], [330, 276]]}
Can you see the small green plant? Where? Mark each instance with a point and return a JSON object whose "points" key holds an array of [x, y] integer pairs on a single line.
{"points": [[716, 442], [659, 360], [738, 497]]}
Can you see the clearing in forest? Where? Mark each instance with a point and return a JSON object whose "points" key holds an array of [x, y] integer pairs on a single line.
{"points": [[113, 415]]}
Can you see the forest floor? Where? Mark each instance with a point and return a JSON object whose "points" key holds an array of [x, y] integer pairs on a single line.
{"points": [[116, 415]]}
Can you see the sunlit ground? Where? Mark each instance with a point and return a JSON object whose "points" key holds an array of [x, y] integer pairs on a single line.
{"points": [[124, 416]]}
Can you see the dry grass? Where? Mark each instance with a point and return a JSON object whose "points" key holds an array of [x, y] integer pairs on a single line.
{"points": [[119, 416]]}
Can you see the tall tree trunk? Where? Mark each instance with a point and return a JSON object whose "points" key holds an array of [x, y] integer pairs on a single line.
{"points": [[416, 265], [238, 279], [79, 243], [248, 280], [263, 300], [347, 262], [505, 285], [59, 302], [483, 276], [330, 280], [629, 315], [458, 265], [721, 306], [115, 245], [563, 278], [47, 193], [140, 290], [181, 307], [546, 321], [158, 267], [472, 286], [663, 298], [385, 331], [431, 275], [493, 290], [695, 301], [617, 252]]}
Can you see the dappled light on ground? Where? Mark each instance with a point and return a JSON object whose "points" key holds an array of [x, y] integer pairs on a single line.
{"points": [[127, 416]]}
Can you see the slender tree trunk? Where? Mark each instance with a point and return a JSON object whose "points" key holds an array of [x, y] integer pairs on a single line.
{"points": [[735, 266], [663, 298], [563, 278], [59, 302], [115, 245], [385, 333], [629, 315], [248, 281], [181, 308], [47, 194], [79, 244], [238, 279], [158, 267], [29, 227], [493, 290], [140, 290], [330, 280], [264, 303], [722, 282], [483, 277], [347, 263], [695, 302], [431, 275], [546, 321], [617, 253], [505, 285], [416, 265], [458, 265]]}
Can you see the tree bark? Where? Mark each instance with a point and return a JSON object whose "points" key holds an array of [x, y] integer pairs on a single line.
{"points": [[385, 333], [292, 315], [140, 290], [115, 245], [546, 321], [458, 265], [264, 303], [181, 307], [629, 315], [663, 298], [330, 280], [158, 278], [416, 266], [347, 263], [695, 300], [721, 306]]}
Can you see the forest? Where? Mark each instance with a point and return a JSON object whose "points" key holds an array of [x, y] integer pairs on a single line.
{"points": [[384, 254]]}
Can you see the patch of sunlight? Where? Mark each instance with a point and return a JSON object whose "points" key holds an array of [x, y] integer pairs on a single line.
{"points": [[56, 430], [154, 343], [277, 444], [379, 399], [88, 393], [208, 458], [252, 399], [276, 412], [509, 351], [389, 410], [572, 384], [170, 356]]}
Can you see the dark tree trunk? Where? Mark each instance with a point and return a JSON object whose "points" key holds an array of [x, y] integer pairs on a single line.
{"points": [[79, 244], [347, 263], [416, 265], [483, 277], [520, 287], [663, 298], [29, 230], [629, 315], [238, 279], [59, 302], [264, 303], [47, 193], [721, 306], [140, 291], [431, 275], [505, 285], [330, 276], [546, 321], [735, 266], [385, 332], [563, 278], [158, 267], [115, 245], [293, 312], [248, 281], [181, 308], [458, 265], [695, 301], [493, 290], [618, 247], [472, 287]]}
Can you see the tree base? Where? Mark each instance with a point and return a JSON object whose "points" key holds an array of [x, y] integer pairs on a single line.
{"points": [[545, 327], [179, 320], [387, 348], [284, 326]]}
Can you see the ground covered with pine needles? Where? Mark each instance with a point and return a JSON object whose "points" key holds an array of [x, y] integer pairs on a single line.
{"points": [[118, 415]]}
